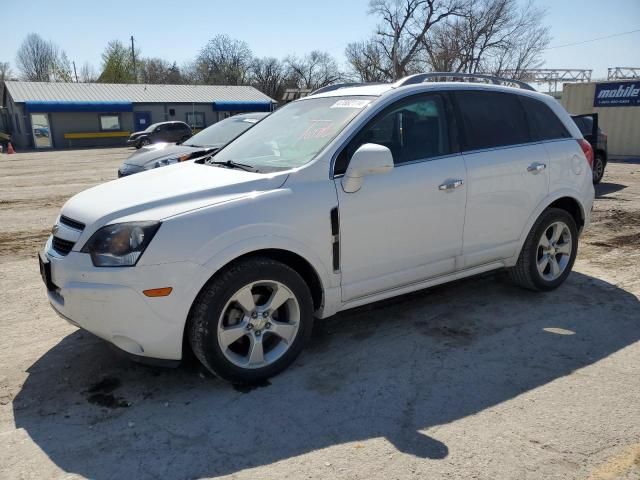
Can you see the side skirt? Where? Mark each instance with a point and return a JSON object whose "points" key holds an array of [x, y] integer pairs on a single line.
{"points": [[421, 285]]}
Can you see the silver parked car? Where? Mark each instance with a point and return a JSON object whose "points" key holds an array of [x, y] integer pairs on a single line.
{"points": [[203, 143]]}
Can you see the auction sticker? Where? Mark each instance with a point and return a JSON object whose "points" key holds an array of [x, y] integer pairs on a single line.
{"points": [[359, 103]]}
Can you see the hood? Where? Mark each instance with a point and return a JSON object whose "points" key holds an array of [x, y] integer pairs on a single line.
{"points": [[155, 152], [163, 192]]}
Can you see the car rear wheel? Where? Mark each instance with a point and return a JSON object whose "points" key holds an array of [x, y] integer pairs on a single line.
{"points": [[251, 321], [548, 253], [598, 168]]}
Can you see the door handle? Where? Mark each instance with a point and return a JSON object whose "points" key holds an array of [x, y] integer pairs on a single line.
{"points": [[445, 187], [536, 167]]}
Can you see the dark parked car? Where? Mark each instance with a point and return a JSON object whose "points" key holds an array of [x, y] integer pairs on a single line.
{"points": [[588, 125], [160, 132], [205, 142]]}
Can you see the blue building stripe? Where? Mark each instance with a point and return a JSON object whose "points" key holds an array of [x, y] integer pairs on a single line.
{"points": [[75, 106], [240, 106]]}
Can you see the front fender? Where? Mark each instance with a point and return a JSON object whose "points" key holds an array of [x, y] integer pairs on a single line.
{"points": [[233, 250]]}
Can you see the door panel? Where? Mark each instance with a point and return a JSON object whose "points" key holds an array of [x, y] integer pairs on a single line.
{"points": [[40, 130], [400, 227], [504, 187], [142, 120]]}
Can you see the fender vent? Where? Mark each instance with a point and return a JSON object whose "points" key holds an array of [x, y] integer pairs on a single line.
{"points": [[335, 238]]}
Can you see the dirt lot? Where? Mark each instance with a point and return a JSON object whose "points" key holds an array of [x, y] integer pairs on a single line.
{"points": [[472, 380]]}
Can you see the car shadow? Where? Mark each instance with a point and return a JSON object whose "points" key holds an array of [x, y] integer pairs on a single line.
{"points": [[392, 370], [604, 189]]}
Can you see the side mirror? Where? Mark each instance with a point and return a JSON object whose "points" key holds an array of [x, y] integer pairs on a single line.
{"points": [[369, 159]]}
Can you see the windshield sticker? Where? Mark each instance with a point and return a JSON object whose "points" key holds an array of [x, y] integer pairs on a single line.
{"points": [[361, 103], [318, 129]]}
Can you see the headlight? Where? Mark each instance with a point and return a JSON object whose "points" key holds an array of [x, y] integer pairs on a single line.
{"points": [[169, 161], [121, 244]]}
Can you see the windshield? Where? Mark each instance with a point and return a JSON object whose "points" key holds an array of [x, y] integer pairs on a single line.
{"points": [[151, 128], [294, 134], [222, 132]]}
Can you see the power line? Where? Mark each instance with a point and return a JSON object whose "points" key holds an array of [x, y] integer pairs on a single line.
{"points": [[592, 40]]}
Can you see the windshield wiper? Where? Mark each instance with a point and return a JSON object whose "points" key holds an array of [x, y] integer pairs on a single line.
{"points": [[232, 164]]}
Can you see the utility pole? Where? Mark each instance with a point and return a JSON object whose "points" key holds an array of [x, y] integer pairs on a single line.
{"points": [[74, 70], [133, 58]]}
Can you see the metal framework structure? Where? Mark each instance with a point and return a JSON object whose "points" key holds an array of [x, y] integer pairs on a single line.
{"points": [[623, 73], [551, 76]]}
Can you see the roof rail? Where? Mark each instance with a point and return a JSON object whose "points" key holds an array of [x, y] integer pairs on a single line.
{"points": [[423, 77], [338, 86]]}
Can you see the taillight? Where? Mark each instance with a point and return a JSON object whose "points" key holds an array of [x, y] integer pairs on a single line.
{"points": [[588, 151]]}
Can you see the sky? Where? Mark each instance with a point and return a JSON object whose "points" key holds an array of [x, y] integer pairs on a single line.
{"points": [[278, 28]]}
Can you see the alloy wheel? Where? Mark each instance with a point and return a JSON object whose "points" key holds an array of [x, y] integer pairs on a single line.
{"points": [[258, 324], [554, 251]]}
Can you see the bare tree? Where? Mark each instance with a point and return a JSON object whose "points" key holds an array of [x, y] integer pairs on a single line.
{"points": [[222, 61], [404, 26], [315, 70], [367, 62], [5, 71], [269, 76], [491, 36], [87, 73], [157, 70], [41, 61], [5, 74]]}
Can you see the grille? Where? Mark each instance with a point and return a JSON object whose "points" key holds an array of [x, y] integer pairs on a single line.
{"points": [[63, 247], [72, 223]]}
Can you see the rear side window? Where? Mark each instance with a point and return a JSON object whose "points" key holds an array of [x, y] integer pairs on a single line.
{"points": [[545, 125], [491, 119]]}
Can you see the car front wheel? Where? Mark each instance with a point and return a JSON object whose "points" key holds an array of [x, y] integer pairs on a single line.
{"points": [[548, 253], [144, 142], [251, 321]]}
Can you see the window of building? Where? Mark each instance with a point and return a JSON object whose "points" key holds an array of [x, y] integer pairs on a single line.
{"points": [[195, 119], [109, 122], [492, 119]]}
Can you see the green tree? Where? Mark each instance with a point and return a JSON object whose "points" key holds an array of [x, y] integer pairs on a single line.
{"points": [[117, 64]]}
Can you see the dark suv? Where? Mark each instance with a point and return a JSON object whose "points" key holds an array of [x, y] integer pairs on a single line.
{"points": [[170, 132], [588, 125]]}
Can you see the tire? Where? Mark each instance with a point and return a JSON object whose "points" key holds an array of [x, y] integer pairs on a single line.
{"points": [[531, 271], [144, 141], [598, 168], [224, 311]]}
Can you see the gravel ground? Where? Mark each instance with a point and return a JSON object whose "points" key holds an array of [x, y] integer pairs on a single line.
{"points": [[476, 379]]}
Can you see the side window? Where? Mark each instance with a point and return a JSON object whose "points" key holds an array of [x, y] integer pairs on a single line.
{"points": [[545, 125], [413, 129], [492, 119]]}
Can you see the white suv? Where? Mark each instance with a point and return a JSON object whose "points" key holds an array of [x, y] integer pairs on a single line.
{"points": [[351, 195]]}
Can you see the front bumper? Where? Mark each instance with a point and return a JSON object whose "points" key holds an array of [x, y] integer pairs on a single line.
{"points": [[109, 302]]}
